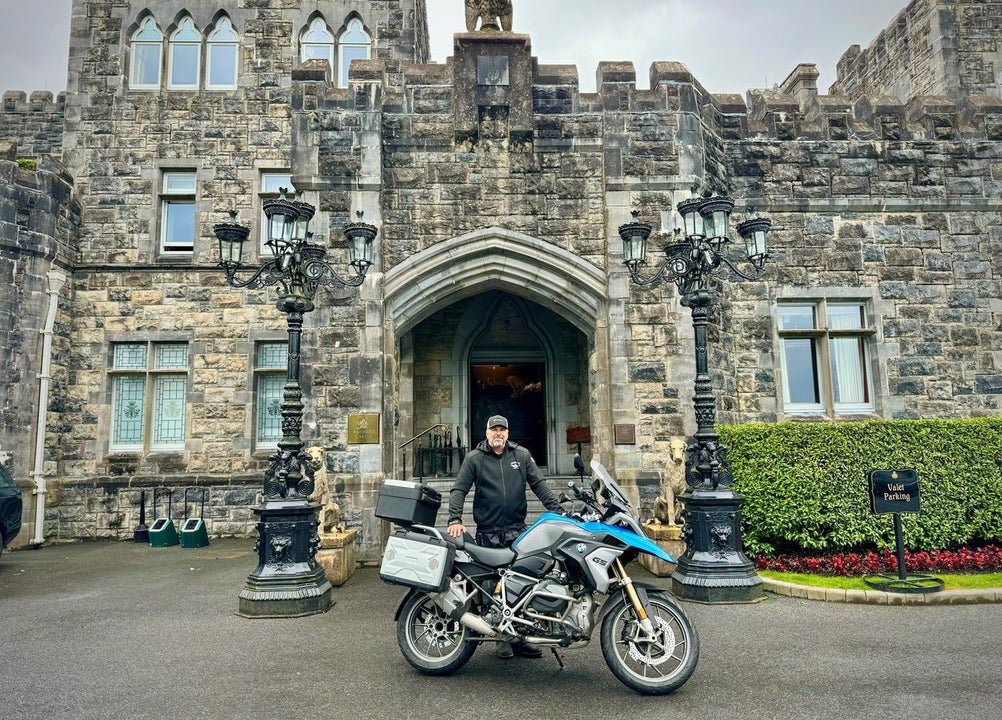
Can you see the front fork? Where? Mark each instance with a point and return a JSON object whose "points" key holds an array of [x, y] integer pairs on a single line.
{"points": [[633, 597]]}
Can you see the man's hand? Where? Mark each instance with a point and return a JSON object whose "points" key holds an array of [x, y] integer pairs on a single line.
{"points": [[456, 529]]}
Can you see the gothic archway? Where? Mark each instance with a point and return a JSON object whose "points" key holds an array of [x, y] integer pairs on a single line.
{"points": [[448, 307], [495, 259]]}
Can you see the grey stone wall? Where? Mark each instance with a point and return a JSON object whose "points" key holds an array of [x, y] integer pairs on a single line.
{"points": [[931, 48], [906, 207], [890, 202], [38, 224], [35, 124], [109, 508], [886, 200], [118, 142]]}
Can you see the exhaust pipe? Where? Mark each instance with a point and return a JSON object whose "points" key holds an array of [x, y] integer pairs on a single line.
{"points": [[477, 624]]}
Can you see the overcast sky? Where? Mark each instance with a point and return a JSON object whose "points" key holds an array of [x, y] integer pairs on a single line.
{"points": [[729, 45]]}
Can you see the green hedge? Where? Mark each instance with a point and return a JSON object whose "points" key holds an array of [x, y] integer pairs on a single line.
{"points": [[805, 487]]}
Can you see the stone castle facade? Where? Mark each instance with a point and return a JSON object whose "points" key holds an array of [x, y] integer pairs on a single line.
{"points": [[497, 187]]}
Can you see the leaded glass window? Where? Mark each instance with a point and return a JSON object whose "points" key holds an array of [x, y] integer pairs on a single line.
{"points": [[148, 396], [271, 373]]}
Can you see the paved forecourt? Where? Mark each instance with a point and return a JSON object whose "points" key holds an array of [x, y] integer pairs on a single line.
{"points": [[118, 630]]}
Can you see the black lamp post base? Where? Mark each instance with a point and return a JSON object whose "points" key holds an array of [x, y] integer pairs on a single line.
{"points": [[287, 582], [714, 585], [713, 568]]}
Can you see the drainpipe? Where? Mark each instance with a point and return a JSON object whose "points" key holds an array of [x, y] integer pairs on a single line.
{"points": [[56, 280]]}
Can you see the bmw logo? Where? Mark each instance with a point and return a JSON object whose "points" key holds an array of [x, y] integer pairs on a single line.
{"points": [[581, 548]]}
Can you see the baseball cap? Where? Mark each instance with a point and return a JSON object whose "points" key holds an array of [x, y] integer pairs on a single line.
{"points": [[496, 420]]}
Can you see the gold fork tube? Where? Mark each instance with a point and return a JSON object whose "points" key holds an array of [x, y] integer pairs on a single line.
{"points": [[631, 592]]}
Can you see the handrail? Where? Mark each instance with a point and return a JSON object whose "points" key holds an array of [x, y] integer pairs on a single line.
{"points": [[421, 434]]}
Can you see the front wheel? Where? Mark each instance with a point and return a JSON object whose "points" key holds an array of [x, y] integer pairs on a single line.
{"points": [[429, 640], [654, 665]]}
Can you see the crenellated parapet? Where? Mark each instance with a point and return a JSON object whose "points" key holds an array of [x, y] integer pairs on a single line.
{"points": [[792, 111], [932, 47], [35, 122], [431, 137], [41, 101], [775, 115], [38, 213]]}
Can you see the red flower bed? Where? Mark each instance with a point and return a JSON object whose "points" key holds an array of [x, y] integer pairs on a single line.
{"points": [[986, 559]]}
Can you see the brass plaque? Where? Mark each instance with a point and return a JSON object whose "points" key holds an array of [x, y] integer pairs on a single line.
{"points": [[363, 429], [625, 434]]}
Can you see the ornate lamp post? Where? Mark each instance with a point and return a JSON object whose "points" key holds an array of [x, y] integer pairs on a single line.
{"points": [[288, 582], [713, 567]]}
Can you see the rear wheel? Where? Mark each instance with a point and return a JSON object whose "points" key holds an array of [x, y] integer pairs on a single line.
{"points": [[654, 665], [431, 641]]}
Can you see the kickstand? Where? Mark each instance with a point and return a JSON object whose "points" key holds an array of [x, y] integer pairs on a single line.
{"points": [[560, 660]]}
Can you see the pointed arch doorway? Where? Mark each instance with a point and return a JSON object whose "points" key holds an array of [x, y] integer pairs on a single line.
{"points": [[453, 308], [497, 353]]}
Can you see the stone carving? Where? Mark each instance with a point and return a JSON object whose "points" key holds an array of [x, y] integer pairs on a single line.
{"points": [[330, 511], [667, 508], [490, 12]]}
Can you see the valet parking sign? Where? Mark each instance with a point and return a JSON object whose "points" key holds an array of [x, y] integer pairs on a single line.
{"points": [[893, 491]]}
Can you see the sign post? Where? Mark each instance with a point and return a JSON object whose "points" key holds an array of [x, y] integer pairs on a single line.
{"points": [[578, 435], [893, 492]]}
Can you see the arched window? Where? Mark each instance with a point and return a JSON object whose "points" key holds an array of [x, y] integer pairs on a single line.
{"points": [[147, 52], [317, 43], [223, 57], [185, 56], [354, 44]]}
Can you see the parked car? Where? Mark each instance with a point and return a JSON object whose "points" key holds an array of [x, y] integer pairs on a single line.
{"points": [[10, 508]]}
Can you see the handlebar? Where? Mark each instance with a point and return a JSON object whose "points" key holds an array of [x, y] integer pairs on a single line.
{"points": [[588, 510]]}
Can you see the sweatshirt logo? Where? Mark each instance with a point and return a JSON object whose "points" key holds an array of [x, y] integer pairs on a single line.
{"points": [[515, 465]]}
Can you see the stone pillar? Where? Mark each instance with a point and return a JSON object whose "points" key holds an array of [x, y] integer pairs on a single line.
{"points": [[337, 556]]}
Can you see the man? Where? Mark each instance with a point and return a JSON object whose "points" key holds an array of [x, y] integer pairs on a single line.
{"points": [[500, 469]]}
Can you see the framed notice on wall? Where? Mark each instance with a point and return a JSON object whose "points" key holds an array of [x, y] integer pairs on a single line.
{"points": [[625, 434], [363, 429]]}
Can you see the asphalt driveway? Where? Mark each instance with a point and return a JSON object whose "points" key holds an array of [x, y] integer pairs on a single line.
{"points": [[124, 631]]}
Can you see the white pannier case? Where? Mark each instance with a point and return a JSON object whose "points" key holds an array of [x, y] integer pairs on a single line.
{"points": [[417, 561]]}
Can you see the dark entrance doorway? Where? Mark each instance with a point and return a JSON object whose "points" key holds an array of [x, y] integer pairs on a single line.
{"points": [[516, 391]]}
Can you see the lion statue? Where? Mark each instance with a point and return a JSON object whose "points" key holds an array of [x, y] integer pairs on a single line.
{"points": [[330, 511], [489, 11]]}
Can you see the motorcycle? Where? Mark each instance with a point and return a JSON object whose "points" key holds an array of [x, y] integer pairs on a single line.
{"points": [[563, 578]]}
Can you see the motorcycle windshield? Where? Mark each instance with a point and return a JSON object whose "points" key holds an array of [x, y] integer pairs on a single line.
{"points": [[615, 492]]}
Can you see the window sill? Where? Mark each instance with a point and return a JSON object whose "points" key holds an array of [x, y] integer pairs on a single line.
{"points": [[822, 416], [176, 259]]}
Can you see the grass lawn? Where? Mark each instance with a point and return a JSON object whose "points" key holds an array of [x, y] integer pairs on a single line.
{"points": [[973, 581]]}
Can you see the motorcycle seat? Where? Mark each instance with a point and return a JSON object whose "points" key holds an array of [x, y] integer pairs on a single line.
{"points": [[492, 557]]}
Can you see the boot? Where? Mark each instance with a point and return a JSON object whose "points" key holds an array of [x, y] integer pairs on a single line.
{"points": [[504, 650], [524, 649]]}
